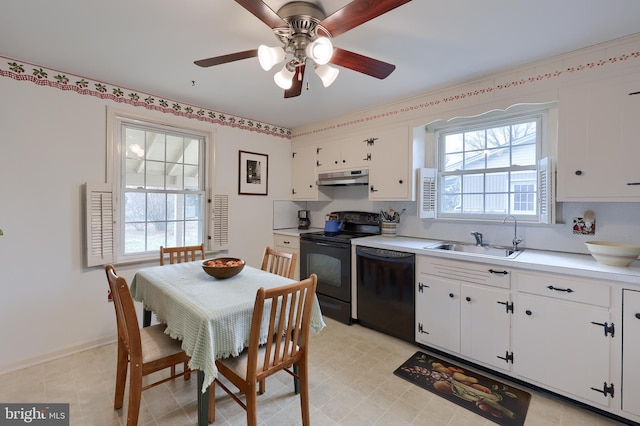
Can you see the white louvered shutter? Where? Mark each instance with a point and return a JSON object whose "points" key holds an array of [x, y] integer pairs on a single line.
{"points": [[219, 221], [427, 193], [546, 191], [100, 226]]}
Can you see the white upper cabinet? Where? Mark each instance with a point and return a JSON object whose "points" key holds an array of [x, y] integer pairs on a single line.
{"points": [[347, 154], [599, 141], [394, 157], [303, 174]]}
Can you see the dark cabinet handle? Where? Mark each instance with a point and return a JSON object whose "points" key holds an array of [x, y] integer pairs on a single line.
{"points": [[578, 172], [498, 272], [633, 183], [451, 295], [468, 299], [528, 312], [566, 290], [400, 181], [638, 316]]}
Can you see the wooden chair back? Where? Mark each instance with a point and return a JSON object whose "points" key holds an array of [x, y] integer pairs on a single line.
{"points": [[181, 254], [289, 319], [126, 317], [279, 262]]}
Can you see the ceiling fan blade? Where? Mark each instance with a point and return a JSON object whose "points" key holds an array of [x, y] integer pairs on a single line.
{"points": [[296, 86], [357, 13], [263, 12], [360, 63], [217, 60]]}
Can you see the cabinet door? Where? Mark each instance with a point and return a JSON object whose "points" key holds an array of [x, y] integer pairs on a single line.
{"points": [[438, 312], [631, 345], [328, 157], [303, 173], [559, 344], [598, 147], [486, 325], [355, 154], [391, 171]]}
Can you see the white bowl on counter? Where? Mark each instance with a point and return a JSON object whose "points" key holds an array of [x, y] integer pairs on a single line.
{"points": [[613, 254]]}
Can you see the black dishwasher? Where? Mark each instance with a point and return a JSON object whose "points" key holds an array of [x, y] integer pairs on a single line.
{"points": [[385, 291]]}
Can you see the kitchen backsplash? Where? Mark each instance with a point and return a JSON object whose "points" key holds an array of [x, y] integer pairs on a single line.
{"points": [[619, 222]]}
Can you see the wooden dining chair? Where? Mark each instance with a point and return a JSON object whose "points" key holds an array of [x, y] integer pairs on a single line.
{"points": [[146, 350], [287, 344], [181, 254], [279, 262]]}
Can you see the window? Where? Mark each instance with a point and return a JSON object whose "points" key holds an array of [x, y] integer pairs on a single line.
{"points": [[157, 192], [163, 187], [489, 169]]}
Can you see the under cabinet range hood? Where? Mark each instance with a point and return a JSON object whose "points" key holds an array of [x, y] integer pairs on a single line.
{"points": [[342, 178]]}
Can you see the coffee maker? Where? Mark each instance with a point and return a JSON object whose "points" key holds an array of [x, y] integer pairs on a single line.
{"points": [[303, 219]]}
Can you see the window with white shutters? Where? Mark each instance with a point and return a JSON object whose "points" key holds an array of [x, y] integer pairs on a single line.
{"points": [[489, 168], [156, 195]]}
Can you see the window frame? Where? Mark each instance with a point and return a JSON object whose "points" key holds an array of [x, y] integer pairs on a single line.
{"points": [[494, 119], [116, 160]]}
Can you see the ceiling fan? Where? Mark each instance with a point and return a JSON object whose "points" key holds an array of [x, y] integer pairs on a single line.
{"points": [[305, 33]]}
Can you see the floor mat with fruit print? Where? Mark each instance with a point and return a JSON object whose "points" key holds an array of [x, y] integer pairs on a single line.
{"points": [[498, 402]]}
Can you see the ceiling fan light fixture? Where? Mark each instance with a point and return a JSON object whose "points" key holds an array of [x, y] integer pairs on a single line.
{"points": [[320, 50], [284, 77], [269, 56], [327, 74]]}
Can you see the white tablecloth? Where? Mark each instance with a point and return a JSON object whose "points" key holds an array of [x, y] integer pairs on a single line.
{"points": [[211, 317]]}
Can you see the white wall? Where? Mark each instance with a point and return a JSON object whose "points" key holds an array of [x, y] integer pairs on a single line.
{"points": [[52, 142], [535, 83]]}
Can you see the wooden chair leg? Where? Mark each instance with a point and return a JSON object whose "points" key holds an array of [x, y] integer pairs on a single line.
{"points": [[121, 375], [212, 402], [135, 395], [261, 387], [186, 368], [304, 393], [252, 408]]}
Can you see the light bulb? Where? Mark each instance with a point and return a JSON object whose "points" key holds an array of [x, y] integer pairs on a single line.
{"points": [[320, 50], [269, 56], [327, 74], [284, 78]]}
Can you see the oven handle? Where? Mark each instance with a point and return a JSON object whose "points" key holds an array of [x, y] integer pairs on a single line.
{"points": [[321, 243]]}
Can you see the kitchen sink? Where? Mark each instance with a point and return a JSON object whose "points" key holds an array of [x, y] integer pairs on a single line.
{"points": [[484, 250]]}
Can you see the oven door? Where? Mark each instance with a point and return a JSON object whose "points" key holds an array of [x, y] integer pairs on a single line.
{"points": [[331, 262]]}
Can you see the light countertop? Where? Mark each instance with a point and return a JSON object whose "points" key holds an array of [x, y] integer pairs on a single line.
{"points": [[539, 260], [295, 232]]}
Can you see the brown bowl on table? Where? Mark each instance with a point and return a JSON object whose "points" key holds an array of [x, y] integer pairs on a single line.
{"points": [[223, 267]]}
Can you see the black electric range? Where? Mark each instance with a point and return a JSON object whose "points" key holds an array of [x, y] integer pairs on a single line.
{"points": [[328, 255]]}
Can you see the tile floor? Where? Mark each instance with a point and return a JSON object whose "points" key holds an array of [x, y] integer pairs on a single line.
{"points": [[351, 383]]}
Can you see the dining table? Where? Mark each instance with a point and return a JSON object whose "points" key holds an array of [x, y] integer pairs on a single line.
{"points": [[210, 316]]}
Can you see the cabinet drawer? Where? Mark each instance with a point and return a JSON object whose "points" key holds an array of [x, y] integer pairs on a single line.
{"points": [[286, 241], [565, 288], [477, 273]]}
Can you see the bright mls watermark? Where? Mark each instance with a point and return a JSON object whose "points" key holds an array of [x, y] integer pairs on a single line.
{"points": [[34, 414]]}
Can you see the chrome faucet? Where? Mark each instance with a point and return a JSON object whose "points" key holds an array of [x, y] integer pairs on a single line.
{"points": [[478, 236], [516, 240]]}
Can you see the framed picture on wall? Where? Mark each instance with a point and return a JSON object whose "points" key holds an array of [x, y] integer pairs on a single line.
{"points": [[254, 173]]}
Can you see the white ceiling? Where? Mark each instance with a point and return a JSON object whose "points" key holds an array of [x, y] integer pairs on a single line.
{"points": [[150, 46]]}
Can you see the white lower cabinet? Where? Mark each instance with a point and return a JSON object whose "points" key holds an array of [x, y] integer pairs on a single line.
{"points": [[577, 337], [464, 308], [289, 244], [563, 337], [631, 355]]}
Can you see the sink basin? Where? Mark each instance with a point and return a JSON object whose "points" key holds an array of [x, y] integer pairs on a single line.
{"points": [[485, 250]]}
